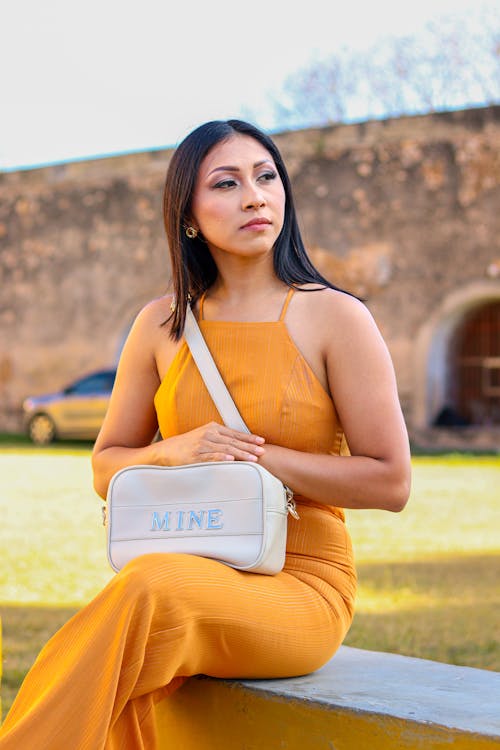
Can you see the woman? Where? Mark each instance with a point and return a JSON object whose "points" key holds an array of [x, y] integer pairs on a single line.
{"points": [[309, 371]]}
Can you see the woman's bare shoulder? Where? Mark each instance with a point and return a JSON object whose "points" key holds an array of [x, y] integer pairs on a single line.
{"points": [[151, 328], [331, 306], [154, 317], [157, 310]]}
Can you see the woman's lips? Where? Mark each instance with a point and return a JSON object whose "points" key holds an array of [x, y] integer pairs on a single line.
{"points": [[256, 224]]}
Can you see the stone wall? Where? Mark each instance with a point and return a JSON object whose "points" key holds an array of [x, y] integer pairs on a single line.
{"points": [[404, 212]]}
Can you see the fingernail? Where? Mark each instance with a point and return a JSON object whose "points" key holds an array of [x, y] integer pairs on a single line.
{"points": [[260, 440]]}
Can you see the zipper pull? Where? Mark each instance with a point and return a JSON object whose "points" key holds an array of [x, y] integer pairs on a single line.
{"points": [[290, 503]]}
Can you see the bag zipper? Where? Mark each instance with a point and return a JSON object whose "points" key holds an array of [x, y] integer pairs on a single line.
{"points": [[290, 503]]}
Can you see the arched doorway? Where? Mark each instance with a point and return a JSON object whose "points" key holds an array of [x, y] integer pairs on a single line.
{"points": [[466, 324], [474, 367]]}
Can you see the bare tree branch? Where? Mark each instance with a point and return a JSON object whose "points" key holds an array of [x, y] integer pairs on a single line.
{"points": [[453, 62]]}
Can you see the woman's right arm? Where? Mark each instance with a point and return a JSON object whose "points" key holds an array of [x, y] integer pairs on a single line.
{"points": [[131, 424]]}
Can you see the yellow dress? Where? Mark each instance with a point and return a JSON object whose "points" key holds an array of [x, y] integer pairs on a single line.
{"points": [[166, 617]]}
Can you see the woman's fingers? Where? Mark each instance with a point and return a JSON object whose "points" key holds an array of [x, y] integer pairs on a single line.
{"points": [[221, 443], [216, 457], [230, 451], [246, 437], [231, 455], [212, 442], [237, 444]]}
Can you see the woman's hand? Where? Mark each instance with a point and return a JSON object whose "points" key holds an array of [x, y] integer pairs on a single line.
{"points": [[210, 442]]}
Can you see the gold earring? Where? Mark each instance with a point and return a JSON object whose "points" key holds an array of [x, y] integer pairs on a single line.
{"points": [[191, 232]]}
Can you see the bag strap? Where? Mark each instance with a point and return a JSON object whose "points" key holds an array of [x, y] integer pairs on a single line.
{"points": [[211, 375]]}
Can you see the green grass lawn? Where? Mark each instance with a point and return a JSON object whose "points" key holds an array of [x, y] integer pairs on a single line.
{"points": [[428, 577]]}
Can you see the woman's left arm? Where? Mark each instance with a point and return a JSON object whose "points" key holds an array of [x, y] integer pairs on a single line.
{"points": [[362, 382]]}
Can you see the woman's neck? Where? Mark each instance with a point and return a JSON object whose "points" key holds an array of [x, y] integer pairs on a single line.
{"points": [[241, 278], [245, 299]]}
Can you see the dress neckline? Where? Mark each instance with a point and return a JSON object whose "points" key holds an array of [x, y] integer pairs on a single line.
{"points": [[280, 325], [281, 318]]}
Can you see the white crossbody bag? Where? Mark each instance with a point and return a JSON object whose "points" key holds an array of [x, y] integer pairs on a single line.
{"points": [[233, 511]]}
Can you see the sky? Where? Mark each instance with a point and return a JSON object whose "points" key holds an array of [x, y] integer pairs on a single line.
{"points": [[97, 77]]}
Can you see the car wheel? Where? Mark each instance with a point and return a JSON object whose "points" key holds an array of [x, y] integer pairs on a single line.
{"points": [[42, 429]]}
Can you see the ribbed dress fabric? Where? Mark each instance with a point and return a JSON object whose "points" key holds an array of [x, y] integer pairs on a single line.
{"points": [[166, 617]]}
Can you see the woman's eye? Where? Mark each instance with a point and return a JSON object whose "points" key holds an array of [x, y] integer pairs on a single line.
{"points": [[268, 176], [225, 183]]}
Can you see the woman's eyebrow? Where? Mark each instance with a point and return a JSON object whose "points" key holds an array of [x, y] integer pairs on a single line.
{"points": [[237, 169]]}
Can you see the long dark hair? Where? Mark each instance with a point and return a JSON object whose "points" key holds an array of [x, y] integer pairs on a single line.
{"points": [[193, 268]]}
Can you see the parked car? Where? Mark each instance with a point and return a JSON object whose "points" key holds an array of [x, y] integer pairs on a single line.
{"points": [[76, 411]]}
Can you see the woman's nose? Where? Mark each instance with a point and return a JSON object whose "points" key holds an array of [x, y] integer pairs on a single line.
{"points": [[253, 198]]}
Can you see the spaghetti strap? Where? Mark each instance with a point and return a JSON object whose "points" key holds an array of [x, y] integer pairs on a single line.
{"points": [[286, 303], [283, 309], [200, 308]]}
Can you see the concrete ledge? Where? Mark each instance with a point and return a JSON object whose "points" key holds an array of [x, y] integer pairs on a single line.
{"points": [[359, 700]]}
